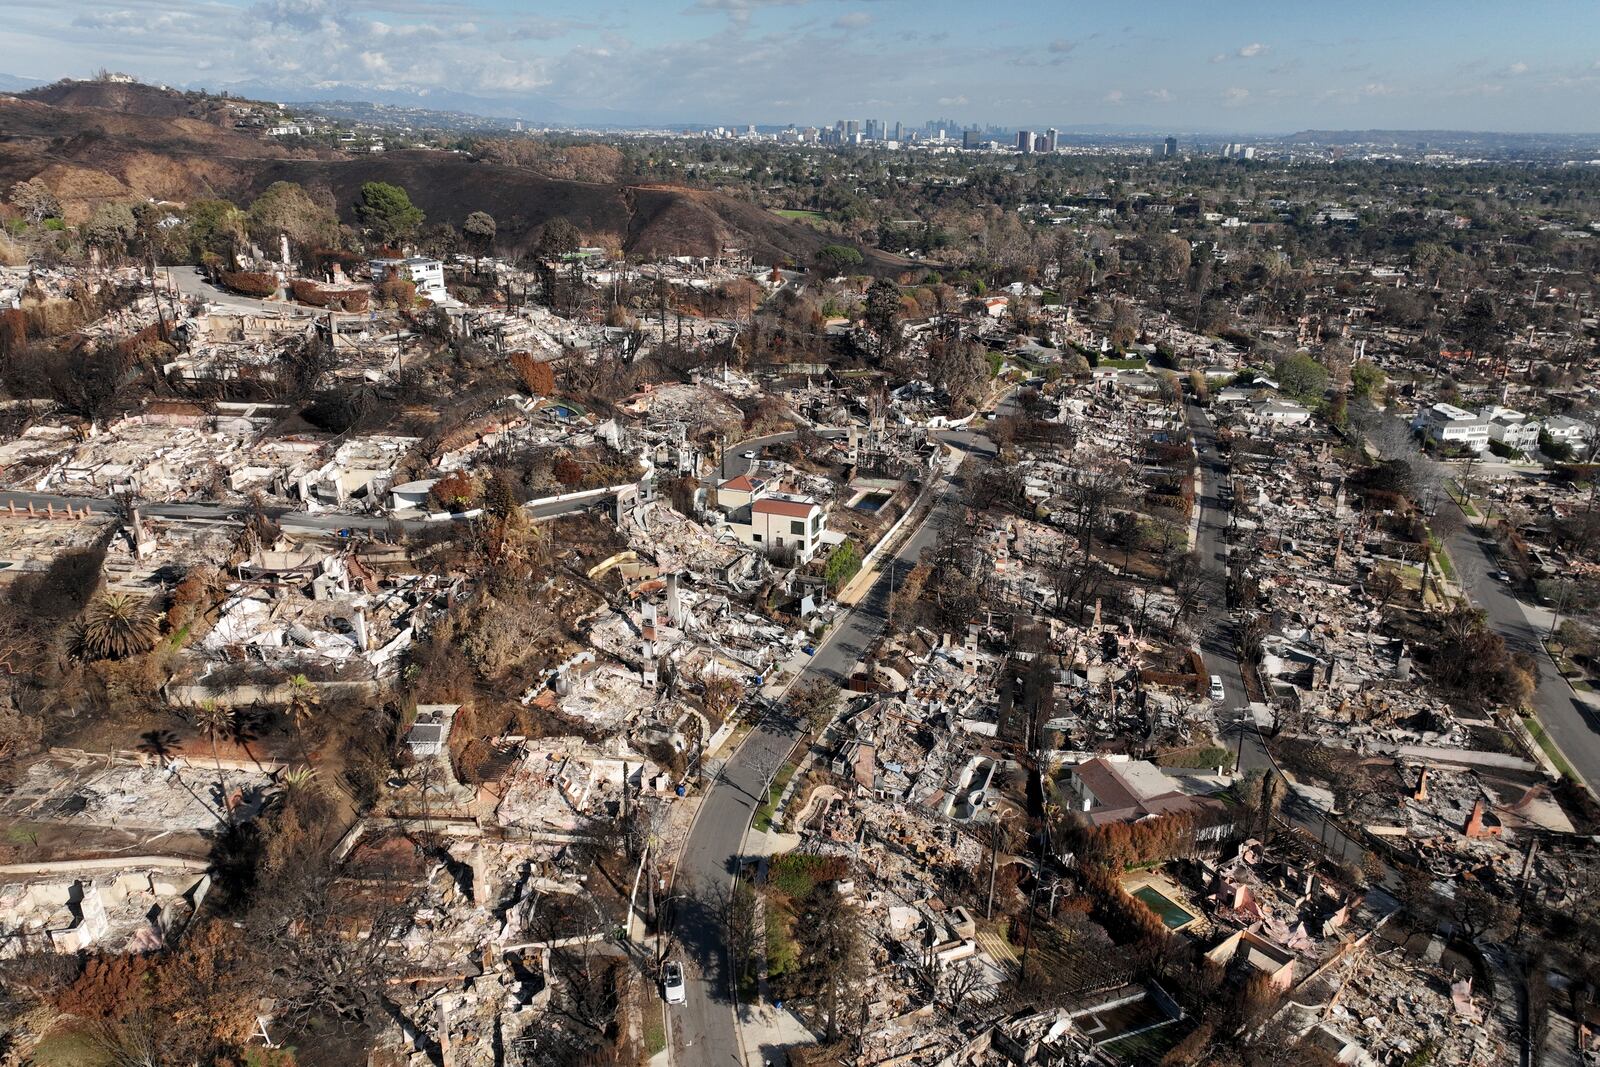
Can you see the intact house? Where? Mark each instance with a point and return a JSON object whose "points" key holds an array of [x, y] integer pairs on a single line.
{"points": [[1280, 413], [780, 525], [1512, 429], [1448, 426], [737, 492], [1565, 430], [425, 273], [1128, 791], [430, 733]]}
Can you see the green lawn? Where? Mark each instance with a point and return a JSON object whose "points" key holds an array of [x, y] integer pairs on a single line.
{"points": [[1131, 363], [71, 1048], [655, 1034], [1444, 557], [765, 812], [1536, 728], [799, 213]]}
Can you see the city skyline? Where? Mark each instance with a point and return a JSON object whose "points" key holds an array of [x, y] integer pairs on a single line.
{"points": [[1246, 67]]}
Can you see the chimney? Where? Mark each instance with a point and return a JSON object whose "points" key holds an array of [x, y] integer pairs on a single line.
{"points": [[359, 622], [674, 603], [1482, 822]]}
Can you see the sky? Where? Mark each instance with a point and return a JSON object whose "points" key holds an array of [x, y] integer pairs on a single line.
{"points": [[1222, 65]]}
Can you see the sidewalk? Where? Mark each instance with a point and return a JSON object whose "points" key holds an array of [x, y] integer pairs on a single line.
{"points": [[766, 1031]]}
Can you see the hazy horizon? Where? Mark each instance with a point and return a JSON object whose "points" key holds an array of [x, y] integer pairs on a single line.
{"points": [[1240, 67]]}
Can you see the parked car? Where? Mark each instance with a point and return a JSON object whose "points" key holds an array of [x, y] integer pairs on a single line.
{"points": [[672, 985], [748, 455], [1216, 689]]}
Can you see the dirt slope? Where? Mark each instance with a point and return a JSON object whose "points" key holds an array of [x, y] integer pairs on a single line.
{"points": [[645, 219], [95, 142]]}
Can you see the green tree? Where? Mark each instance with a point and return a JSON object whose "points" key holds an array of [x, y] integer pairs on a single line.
{"points": [[1366, 380], [842, 565], [35, 200], [837, 259], [111, 226], [961, 369], [480, 230], [1302, 377], [388, 212], [883, 315], [214, 226], [286, 208], [557, 238]]}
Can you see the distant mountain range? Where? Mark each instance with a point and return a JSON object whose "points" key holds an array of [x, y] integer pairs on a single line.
{"points": [[15, 83]]}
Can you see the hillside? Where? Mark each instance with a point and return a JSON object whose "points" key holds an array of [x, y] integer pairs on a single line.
{"points": [[133, 98], [90, 155], [97, 142], [644, 218]]}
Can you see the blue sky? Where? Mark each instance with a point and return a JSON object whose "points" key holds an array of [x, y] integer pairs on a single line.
{"points": [[1246, 66]]}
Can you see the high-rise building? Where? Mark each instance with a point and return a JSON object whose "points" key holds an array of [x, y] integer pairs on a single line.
{"points": [[1025, 140], [873, 131], [852, 130], [969, 138], [1051, 136], [1169, 149], [899, 131]]}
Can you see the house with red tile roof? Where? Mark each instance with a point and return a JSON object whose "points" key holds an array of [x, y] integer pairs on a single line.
{"points": [[780, 525]]}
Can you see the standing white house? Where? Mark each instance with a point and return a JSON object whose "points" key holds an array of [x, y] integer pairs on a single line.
{"points": [[1448, 426], [1512, 428], [425, 273]]}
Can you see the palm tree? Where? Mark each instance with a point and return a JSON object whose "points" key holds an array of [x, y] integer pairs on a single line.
{"points": [[215, 720], [115, 627], [303, 703]]}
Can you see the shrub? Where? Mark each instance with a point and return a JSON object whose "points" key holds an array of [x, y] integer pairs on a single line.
{"points": [[309, 292], [455, 491], [250, 282]]}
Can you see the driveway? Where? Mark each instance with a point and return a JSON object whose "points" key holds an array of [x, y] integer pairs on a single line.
{"points": [[189, 282]]}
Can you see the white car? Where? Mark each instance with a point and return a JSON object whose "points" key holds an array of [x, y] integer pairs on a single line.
{"points": [[1216, 689], [672, 987], [748, 455]]}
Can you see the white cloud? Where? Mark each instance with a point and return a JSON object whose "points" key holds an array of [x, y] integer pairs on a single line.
{"points": [[1160, 96], [1234, 96], [852, 20], [1253, 50], [1114, 97], [1516, 68], [1061, 46]]}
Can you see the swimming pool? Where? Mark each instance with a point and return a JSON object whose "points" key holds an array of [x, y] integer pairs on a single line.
{"points": [[1172, 915]]}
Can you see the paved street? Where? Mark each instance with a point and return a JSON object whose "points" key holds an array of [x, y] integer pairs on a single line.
{"points": [[293, 521], [705, 1024], [1219, 639], [1570, 722], [192, 285]]}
